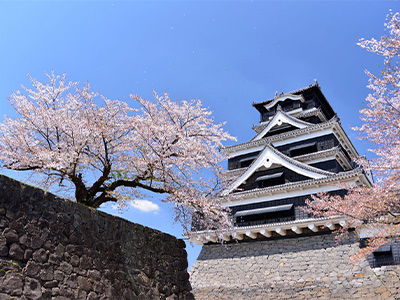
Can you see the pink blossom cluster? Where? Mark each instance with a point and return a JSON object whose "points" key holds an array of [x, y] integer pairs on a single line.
{"points": [[104, 150]]}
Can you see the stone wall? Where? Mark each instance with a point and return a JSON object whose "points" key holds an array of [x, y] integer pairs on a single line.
{"points": [[51, 248], [312, 267]]}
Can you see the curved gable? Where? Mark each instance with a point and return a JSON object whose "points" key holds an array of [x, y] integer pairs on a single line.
{"points": [[282, 118], [283, 97], [271, 156]]}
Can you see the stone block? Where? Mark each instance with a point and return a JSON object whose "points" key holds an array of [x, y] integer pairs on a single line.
{"points": [[51, 284], [10, 235], [32, 268], [47, 273], [3, 247], [11, 284], [16, 252], [28, 254], [32, 289], [40, 256]]}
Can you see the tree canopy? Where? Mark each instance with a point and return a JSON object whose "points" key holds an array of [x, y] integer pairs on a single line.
{"points": [[103, 150]]}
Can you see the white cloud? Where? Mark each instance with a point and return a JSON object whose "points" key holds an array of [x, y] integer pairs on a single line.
{"points": [[145, 205]]}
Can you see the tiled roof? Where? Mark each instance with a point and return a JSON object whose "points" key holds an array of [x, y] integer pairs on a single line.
{"points": [[337, 177], [297, 122], [315, 112], [298, 163], [301, 158], [281, 136], [274, 156], [292, 92]]}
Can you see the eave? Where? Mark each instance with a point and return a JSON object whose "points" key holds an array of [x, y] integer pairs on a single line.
{"points": [[297, 227], [302, 114], [332, 126], [294, 189], [314, 112], [325, 155]]}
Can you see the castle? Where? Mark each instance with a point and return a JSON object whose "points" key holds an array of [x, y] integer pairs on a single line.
{"points": [[277, 250]]}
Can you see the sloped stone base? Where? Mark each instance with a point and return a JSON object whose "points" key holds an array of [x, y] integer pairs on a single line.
{"points": [[313, 267]]}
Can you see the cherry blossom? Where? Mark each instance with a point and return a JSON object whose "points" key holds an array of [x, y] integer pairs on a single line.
{"points": [[103, 150]]}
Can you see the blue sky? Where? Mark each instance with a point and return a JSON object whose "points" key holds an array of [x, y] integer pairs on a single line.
{"points": [[228, 53]]}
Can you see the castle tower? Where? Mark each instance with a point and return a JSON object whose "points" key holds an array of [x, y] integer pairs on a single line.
{"points": [[299, 149], [276, 249]]}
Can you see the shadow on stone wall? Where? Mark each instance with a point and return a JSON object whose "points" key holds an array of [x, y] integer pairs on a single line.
{"points": [[52, 248]]}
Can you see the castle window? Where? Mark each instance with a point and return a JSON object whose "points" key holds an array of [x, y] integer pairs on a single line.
{"points": [[245, 162], [270, 180], [385, 250], [310, 103], [280, 129], [385, 255], [303, 149], [265, 215], [296, 104]]}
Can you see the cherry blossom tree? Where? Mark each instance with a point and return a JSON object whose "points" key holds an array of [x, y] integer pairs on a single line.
{"points": [[102, 150], [376, 208]]}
